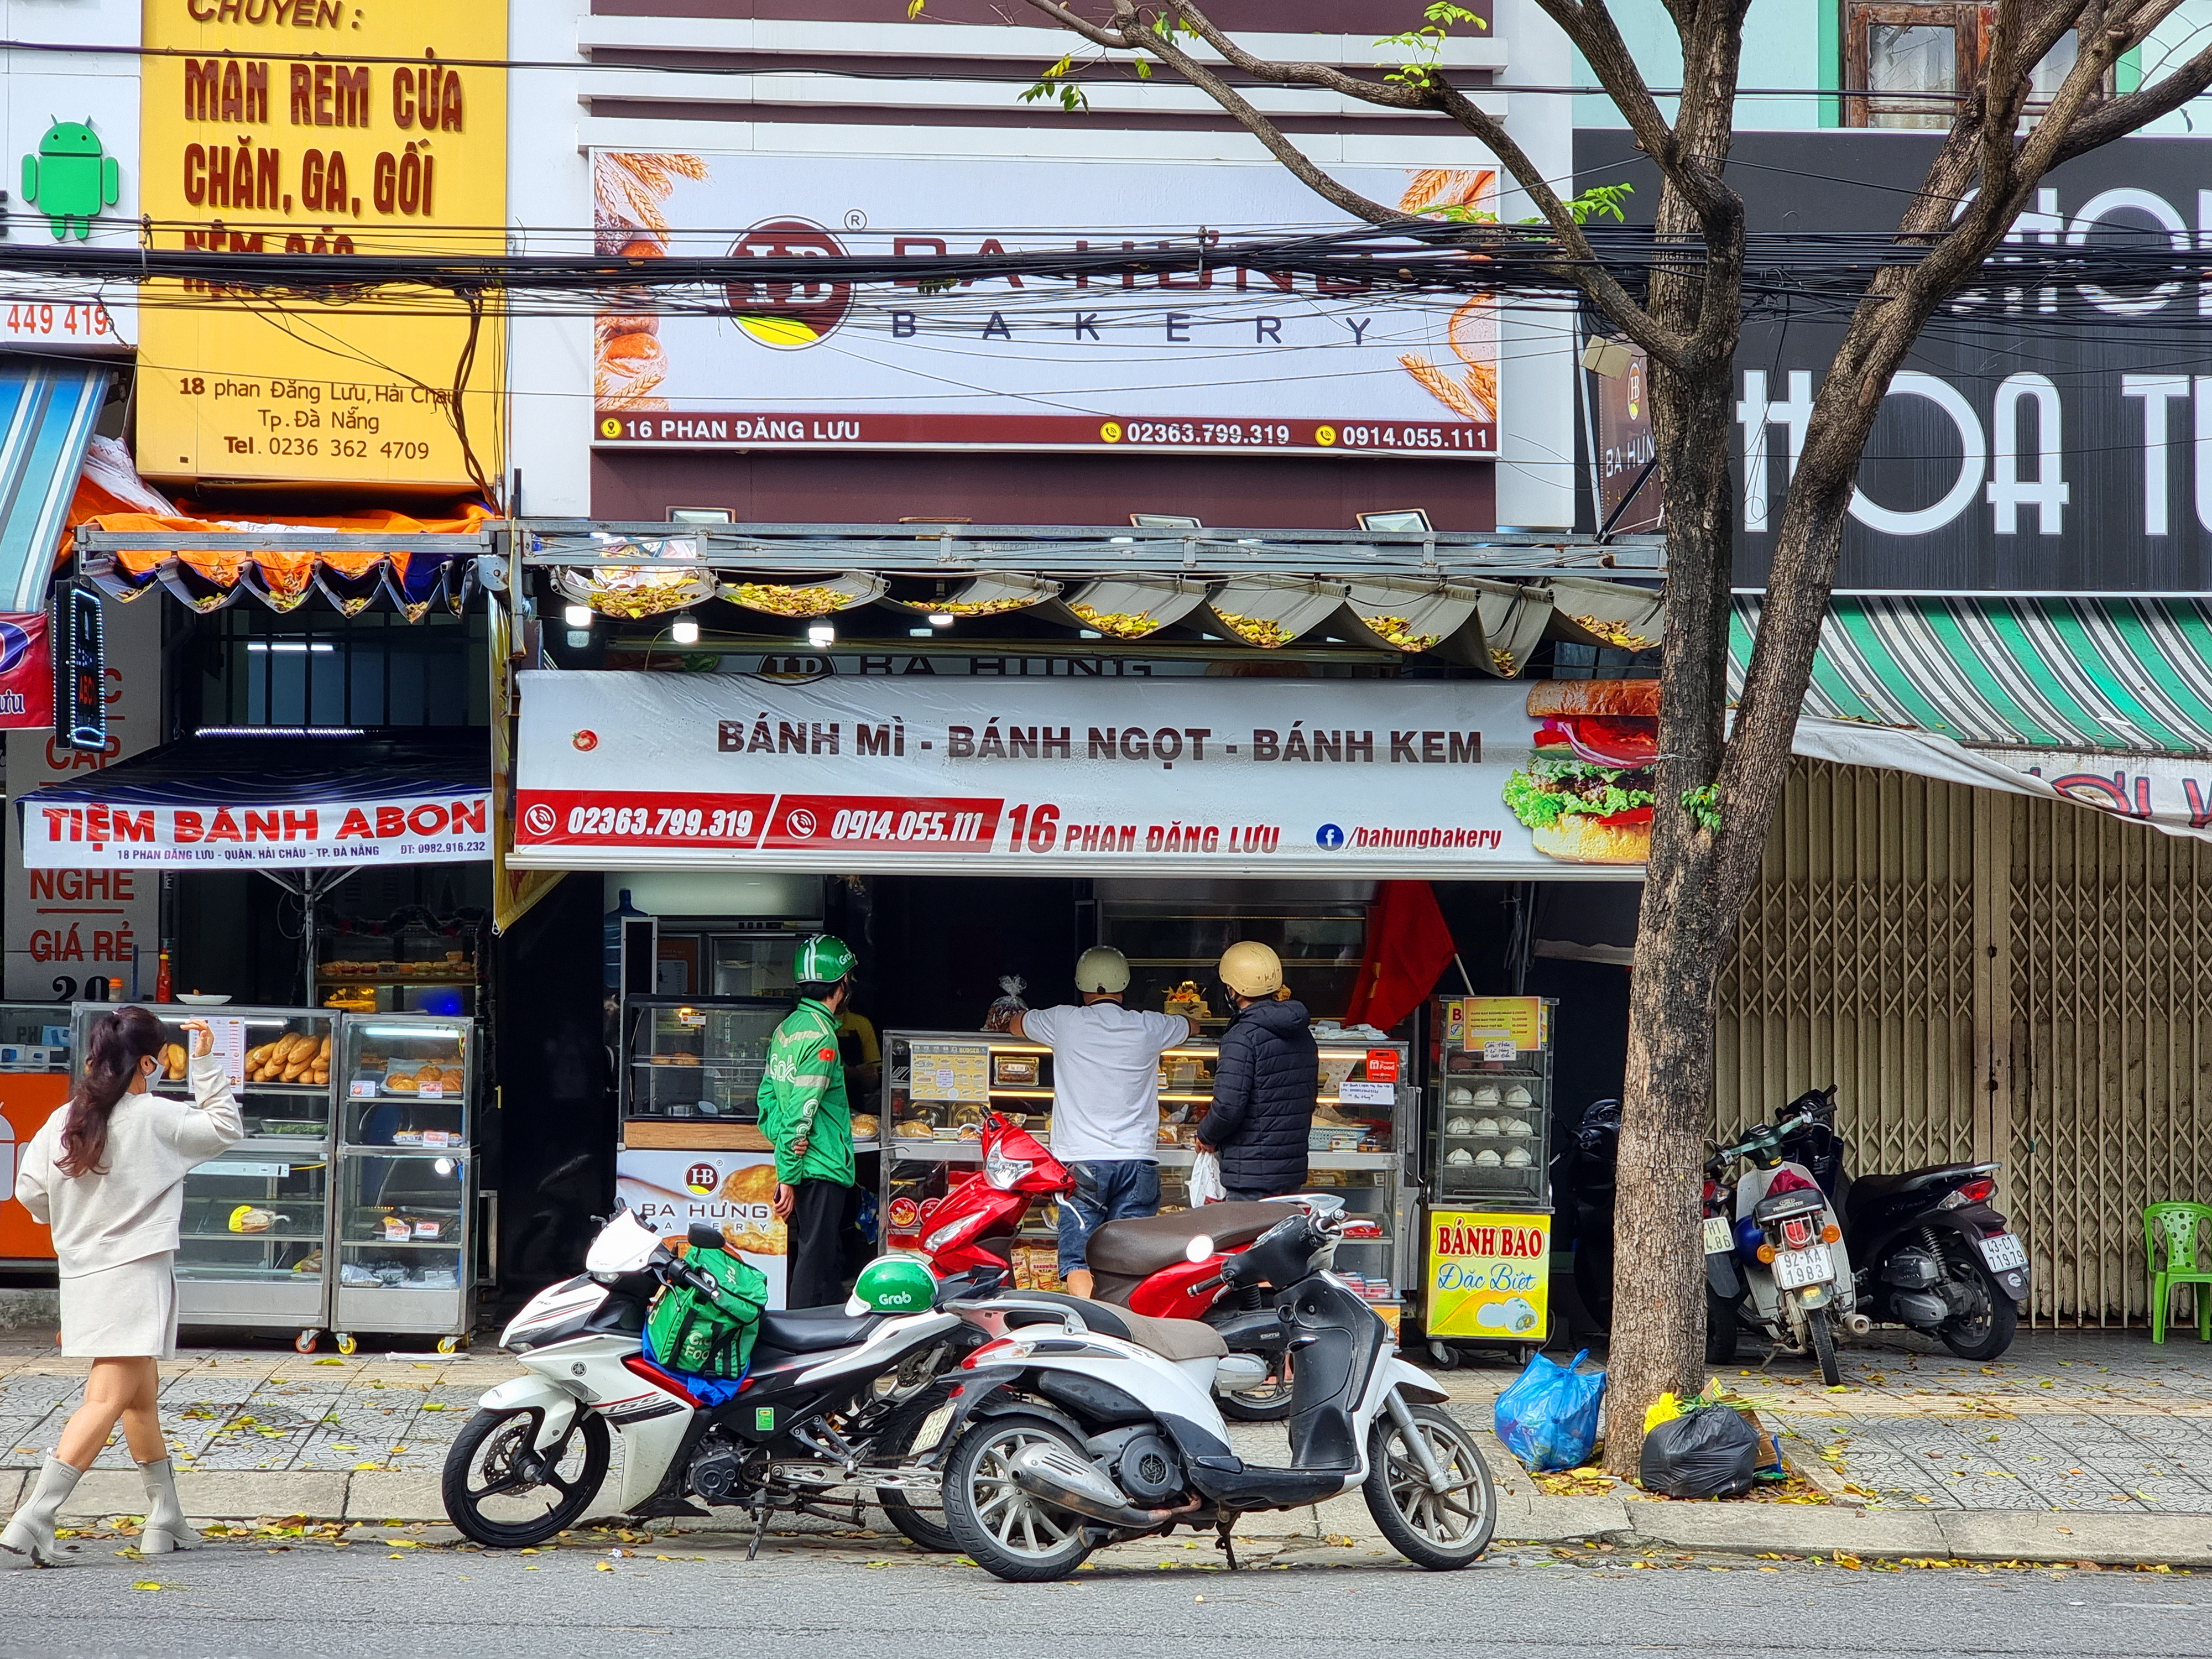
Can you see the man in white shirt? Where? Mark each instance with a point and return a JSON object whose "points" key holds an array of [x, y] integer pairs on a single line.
{"points": [[1106, 1101]]}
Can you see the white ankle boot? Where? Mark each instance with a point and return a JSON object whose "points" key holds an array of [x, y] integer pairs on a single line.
{"points": [[165, 1529], [29, 1539]]}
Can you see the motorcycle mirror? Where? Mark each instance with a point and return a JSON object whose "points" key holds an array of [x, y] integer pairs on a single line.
{"points": [[704, 1237], [623, 1245], [1198, 1248]]}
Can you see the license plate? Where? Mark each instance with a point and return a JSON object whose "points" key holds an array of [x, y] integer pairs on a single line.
{"points": [[1795, 1269], [1719, 1238], [2004, 1250], [932, 1430]]}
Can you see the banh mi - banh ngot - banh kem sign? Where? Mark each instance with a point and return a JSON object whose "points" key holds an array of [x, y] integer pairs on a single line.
{"points": [[320, 126]]}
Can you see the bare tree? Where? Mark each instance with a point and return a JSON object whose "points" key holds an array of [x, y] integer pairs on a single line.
{"points": [[1718, 785]]}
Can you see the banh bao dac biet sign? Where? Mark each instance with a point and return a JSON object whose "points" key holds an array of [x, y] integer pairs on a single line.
{"points": [[320, 127]]}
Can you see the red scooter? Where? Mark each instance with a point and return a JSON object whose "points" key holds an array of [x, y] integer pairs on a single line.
{"points": [[1145, 1265]]}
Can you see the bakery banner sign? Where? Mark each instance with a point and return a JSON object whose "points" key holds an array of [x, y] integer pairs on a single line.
{"points": [[1310, 778], [1223, 359], [77, 834]]}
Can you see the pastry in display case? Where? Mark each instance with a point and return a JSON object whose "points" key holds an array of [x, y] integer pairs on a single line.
{"points": [[1490, 1102], [407, 1081], [698, 1058]]}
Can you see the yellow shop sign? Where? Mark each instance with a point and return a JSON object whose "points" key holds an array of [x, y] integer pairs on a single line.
{"points": [[1490, 1275], [313, 127]]}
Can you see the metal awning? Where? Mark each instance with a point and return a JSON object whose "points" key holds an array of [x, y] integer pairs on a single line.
{"points": [[2123, 677], [47, 411]]}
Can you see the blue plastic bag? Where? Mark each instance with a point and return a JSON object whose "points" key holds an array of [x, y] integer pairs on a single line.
{"points": [[1548, 1417]]}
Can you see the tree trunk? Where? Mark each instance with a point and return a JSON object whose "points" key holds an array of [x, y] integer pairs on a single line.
{"points": [[1684, 932]]}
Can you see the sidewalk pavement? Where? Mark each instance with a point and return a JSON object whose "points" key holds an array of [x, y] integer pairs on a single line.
{"points": [[2086, 1447]]}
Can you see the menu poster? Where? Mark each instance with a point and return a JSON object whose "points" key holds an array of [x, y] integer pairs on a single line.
{"points": [[951, 1071], [1517, 1020], [229, 1035]]}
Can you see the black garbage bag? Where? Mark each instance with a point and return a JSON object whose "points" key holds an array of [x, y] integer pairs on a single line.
{"points": [[1709, 1452]]}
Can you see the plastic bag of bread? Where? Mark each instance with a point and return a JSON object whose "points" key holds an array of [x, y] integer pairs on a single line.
{"points": [[1009, 1003], [172, 1060]]}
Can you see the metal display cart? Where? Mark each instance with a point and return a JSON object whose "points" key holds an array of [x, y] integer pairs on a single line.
{"points": [[937, 1085], [404, 1230], [252, 1249], [1485, 1257]]}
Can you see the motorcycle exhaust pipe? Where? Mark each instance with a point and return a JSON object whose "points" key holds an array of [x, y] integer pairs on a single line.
{"points": [[1059, 1478], [1858, 1324]]}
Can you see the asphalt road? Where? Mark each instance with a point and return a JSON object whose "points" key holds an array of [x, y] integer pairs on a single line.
{"points": [[843, 1600]]}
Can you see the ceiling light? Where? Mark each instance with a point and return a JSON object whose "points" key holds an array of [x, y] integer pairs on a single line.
{"points": [[577, 615], [940, 619], [821, 634], [684, 630]]}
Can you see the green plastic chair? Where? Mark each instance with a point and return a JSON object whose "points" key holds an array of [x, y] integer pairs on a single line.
{"points": [[2184, 1228]]}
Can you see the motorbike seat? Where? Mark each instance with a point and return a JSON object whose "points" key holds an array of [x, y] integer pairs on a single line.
{"points": [[813, 1330], [1170, 1339], [1141, 1246], [1866, 1190]]}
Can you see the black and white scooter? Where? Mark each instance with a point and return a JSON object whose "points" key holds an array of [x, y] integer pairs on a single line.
{"points": [[833, 1400], [1069, 1437]]}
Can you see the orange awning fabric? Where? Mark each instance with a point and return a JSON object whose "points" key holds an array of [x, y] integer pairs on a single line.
{"points": [[284, 581]]}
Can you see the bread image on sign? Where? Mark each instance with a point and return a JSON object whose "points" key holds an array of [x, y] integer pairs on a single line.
{"points": [[1586, 794]]}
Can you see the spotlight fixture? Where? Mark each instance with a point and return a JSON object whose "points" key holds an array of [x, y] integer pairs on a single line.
{"points": [[684, 630], [940, 619], [822, 636], [577, 615]]}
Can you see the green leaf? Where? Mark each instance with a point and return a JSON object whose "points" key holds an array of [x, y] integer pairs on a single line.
{"points": [[1703, 804]]}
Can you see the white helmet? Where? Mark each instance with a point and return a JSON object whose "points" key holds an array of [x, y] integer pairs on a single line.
{"points": [[1102, 968]]}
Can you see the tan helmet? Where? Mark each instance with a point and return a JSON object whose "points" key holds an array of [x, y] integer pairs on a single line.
{"points": [[1251, 969], [1102, 968]]}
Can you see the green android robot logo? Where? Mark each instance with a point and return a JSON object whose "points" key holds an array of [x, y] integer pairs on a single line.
{"points": [[69, 178]]}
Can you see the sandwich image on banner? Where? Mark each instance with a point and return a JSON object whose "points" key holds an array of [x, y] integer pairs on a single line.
{"points": [[1586, 792]]}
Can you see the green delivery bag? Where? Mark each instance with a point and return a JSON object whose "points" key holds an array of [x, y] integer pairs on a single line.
{"points": [[687, 1331]]}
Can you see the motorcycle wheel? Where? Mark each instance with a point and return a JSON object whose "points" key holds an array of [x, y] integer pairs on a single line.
{"points": [[1438, 1530], [1268, 1403], [506, 1496], [1720, 1331], [921, 1524], [1989, 1335], [1822, 1328], [1003, 1529]]}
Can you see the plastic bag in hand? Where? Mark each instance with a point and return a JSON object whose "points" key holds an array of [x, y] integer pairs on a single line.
{"points": [[1708, 1452], [1206, 1184], [1548, 1416]]}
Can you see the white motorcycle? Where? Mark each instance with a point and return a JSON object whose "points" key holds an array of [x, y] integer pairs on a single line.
{"points": [[835, 1397], [1088, 1427], [1776, 1260]]}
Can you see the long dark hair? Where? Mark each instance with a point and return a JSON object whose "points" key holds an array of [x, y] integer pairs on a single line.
{"points": [[119, 1041]]}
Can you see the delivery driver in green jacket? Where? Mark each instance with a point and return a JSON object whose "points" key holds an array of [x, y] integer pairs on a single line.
{"points": [[804, 1113]]}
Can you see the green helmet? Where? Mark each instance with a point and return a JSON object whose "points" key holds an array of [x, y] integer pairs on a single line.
{"points": [[823, 959], [892, 1285]]}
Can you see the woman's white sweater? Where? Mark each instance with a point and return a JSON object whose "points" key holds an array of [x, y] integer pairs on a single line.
{"points": [[134, 1205]]}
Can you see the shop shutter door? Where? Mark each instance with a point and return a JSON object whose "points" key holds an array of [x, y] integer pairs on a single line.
{"points": [[2112, 946], [1855, 966]]}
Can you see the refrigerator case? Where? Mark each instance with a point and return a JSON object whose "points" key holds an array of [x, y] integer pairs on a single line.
{"points": [[1485, 1252], [939, 1084], [403, 1228], [253, 1247]]}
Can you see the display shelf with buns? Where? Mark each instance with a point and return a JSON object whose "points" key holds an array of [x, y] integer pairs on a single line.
{"points": [[937, 1085], [1489, 1127], [692, 1069], [404, 1223], [255, 1225]]}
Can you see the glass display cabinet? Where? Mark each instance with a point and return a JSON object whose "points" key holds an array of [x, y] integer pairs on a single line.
{"points": [[404, 1229], [252, 1250], [939, 1084], [697, 1058]]}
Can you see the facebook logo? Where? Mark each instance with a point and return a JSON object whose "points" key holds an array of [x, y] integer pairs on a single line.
{"points": [[1330, 836]]}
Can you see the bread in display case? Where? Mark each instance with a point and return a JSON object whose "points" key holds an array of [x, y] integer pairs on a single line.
{"points": [[939, 1086], [408, 1080]]}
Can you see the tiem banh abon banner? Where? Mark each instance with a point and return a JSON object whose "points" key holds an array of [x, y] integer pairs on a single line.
{"points": [[1191, 777], [334, 127], [1222, 359]]}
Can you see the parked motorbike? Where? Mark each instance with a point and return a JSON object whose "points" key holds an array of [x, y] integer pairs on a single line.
{"points": [[1064, 1438], [1142, 1265], [1932, 1254], [832, 1402], [1775, 1257]]}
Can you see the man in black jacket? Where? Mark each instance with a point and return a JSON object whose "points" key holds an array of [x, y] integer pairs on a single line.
{"points": [[1265, 1080]]}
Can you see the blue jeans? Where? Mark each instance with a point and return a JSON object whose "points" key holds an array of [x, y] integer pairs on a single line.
{"points": [[1109, 1189]]}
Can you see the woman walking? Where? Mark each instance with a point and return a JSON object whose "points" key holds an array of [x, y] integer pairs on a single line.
{"points": [[108, 1174]]}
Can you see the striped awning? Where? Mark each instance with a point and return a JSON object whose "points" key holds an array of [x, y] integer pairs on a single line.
{"points": [[2119, 677], [47, 411]]}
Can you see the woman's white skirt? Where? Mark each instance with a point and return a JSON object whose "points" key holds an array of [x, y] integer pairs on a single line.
{"points": [[122, 1313]]}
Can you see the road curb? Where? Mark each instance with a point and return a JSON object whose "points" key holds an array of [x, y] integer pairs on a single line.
{"points": [[1732, 1528]]}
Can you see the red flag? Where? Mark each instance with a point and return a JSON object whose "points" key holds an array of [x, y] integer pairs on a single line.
{"points": [[1408, 948]]}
